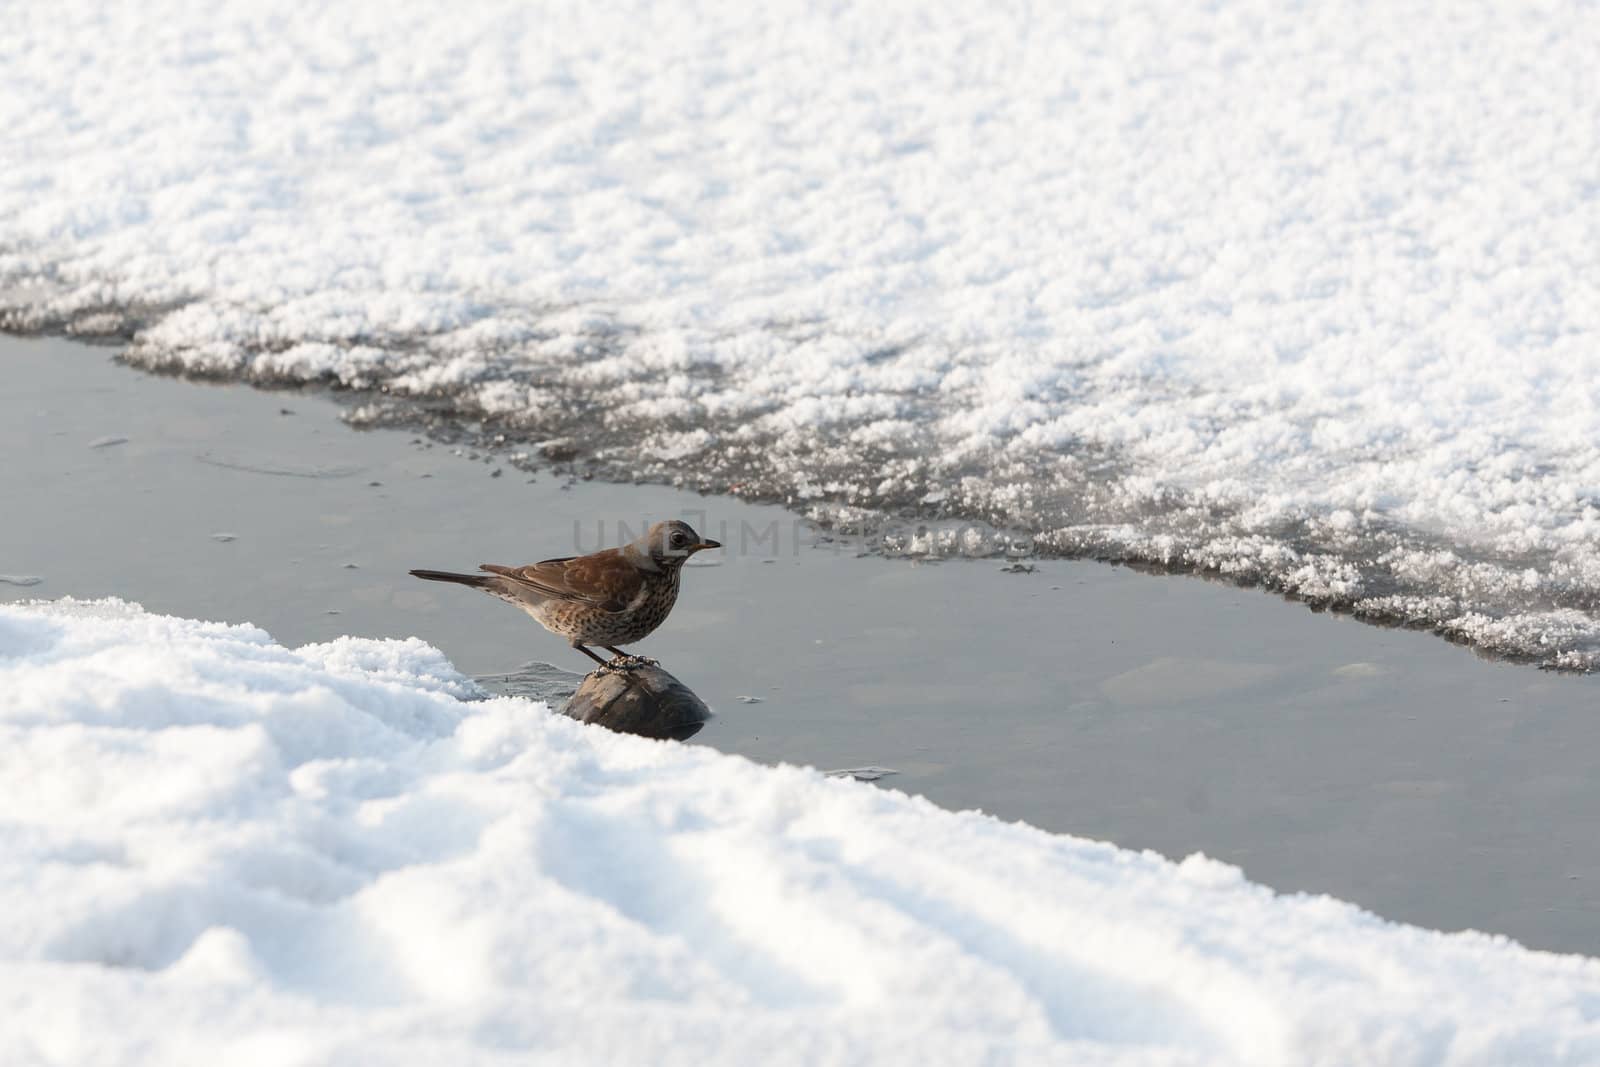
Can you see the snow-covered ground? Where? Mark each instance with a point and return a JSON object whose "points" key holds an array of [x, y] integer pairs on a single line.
{"points": [[1303, 293], [214, 849]]}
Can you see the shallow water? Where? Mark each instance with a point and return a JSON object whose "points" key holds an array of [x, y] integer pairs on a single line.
{"points": [[1382, 766]]}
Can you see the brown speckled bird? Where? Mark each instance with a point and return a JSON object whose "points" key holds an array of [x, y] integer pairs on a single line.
{"points": [[608, 598]]}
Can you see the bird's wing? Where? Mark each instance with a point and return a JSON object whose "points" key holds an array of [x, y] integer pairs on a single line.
{"points": [[605, 579]]}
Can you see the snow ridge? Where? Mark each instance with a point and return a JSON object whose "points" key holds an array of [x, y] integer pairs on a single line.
{"points": [[216, 849]]}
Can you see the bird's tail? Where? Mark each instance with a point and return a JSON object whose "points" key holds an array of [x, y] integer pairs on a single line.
{"points": [[477, 581]]}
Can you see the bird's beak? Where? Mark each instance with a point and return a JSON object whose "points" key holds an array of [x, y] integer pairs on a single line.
{"points": [[705, 544]]}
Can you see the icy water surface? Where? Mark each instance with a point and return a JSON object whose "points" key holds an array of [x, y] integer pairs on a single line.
{"points": [[1304, 298], [1382, 766]]}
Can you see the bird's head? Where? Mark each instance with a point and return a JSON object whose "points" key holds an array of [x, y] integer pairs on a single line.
{"points": [[670, 543]]}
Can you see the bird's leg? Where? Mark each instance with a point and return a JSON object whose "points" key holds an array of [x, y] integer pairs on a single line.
{"points": [[591, 655], [625, 660]]}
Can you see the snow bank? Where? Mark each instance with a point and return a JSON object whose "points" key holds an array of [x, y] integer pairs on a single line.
{"points": [[1301, 294], [217, 850]]}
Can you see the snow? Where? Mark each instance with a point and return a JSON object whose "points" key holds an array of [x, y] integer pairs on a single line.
{"points": [[1305, 295], [218, 850]]}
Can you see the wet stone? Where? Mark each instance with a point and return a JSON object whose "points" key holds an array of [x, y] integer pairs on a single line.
{"points": [[641, 699]]}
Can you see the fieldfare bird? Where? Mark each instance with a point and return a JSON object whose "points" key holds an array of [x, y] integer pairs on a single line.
{"points": [[608, 598]]}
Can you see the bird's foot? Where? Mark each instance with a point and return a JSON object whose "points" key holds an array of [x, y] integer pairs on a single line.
{"points": [[629, 662]]}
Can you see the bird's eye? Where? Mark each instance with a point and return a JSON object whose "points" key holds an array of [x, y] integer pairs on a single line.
{"points": [[678, 540]]}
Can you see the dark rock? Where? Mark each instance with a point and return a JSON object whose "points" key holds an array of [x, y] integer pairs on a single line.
{"points": [[642, 699], [656, 704]]}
